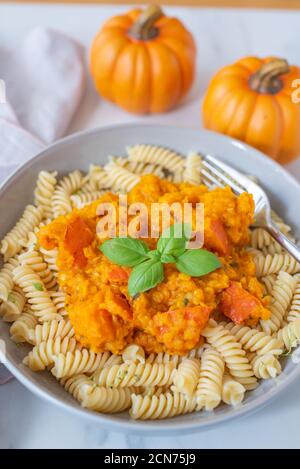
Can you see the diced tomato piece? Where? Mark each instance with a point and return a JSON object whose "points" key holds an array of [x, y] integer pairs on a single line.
{"points": [[215, 236], [78, 236], [239, 305], [118, 275]]}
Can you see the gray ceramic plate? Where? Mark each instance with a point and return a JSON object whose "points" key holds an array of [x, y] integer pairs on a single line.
{"points": [[78, 151]]}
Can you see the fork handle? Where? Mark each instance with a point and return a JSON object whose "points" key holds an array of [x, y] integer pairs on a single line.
{"points": [[284, 241]]}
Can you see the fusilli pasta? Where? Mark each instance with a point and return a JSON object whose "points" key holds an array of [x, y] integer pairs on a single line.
{"points": [[233, 392], [156, 155], [50, 330], [43, 354], [162, 406], [233, 354], [61, 202], [11, 309], [44, 190], [133, 354], [209, 389], [294, 311], [255, 341], [10, 245], [135, 375], [282, 294], [37, 295], [186, 377], [192, 171], [22, 327], [273, 264]]}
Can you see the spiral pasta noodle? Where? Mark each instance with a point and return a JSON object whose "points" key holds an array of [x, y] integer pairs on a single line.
{"points": [[209, 389], [105, 400], [233, 354], [161, 407], [50, 257], [22, 327], [135, 375], [44, 191], [133, 354], [80, 200], [260, 239], [164, 358], [192, 171], [6, 278], [33, 259], [11, 309], [10, 245], [98, 177], [120, 179], [233, 392], [37, 295], [140, 168], [50, 330], [294, 311], [282, 295], [59, 300], [186, 377], [77, 362], [265, 366], [43, 354], [290, 335], [255, 341], [60, 201], [268, 281], [272, 264], [156, 155], [75, 385]]}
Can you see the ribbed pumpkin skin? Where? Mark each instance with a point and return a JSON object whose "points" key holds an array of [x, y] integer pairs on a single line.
{"points": [[143, 76], [269, 122]]}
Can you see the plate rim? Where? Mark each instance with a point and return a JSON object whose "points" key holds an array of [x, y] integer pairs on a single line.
{"points": [[170, 425]]}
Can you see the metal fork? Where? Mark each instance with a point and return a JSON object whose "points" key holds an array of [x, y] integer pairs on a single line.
{"points": [[216, 173]]}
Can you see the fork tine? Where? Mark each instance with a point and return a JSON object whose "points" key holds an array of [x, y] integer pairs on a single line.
{"points": [[209, 177], [239, 178], [223, 177]]}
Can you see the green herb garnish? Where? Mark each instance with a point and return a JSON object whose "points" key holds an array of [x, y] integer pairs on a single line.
{"points": [[38, 286], [147, 265]]}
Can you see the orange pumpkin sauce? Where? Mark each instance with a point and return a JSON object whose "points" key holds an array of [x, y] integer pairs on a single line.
{"points": [[171, 316]]}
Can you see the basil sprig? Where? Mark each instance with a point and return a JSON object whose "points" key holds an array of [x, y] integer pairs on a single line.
{"points": [[147, 265]]}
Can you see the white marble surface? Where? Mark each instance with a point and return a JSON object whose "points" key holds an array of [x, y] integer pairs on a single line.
{"points": [[222, 37]]}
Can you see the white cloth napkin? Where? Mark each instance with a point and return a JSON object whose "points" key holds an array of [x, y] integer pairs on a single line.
{"points": [[44, 81]]}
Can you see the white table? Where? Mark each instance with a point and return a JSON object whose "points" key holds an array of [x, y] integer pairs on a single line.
{"points": [[222, 36]]}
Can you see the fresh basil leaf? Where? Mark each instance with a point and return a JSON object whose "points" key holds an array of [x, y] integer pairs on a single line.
{"points": [[167, 258], [154, 255], [38, 286], [145, 276], [197, 262], [173, 240], [125, 251]]}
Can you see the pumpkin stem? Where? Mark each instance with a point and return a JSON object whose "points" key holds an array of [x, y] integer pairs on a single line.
{"points": [[267, 78], [143, 29]]}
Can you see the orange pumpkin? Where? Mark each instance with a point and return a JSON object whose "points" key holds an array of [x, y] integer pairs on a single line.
{"points": [[143, 61], [252, 100]]}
